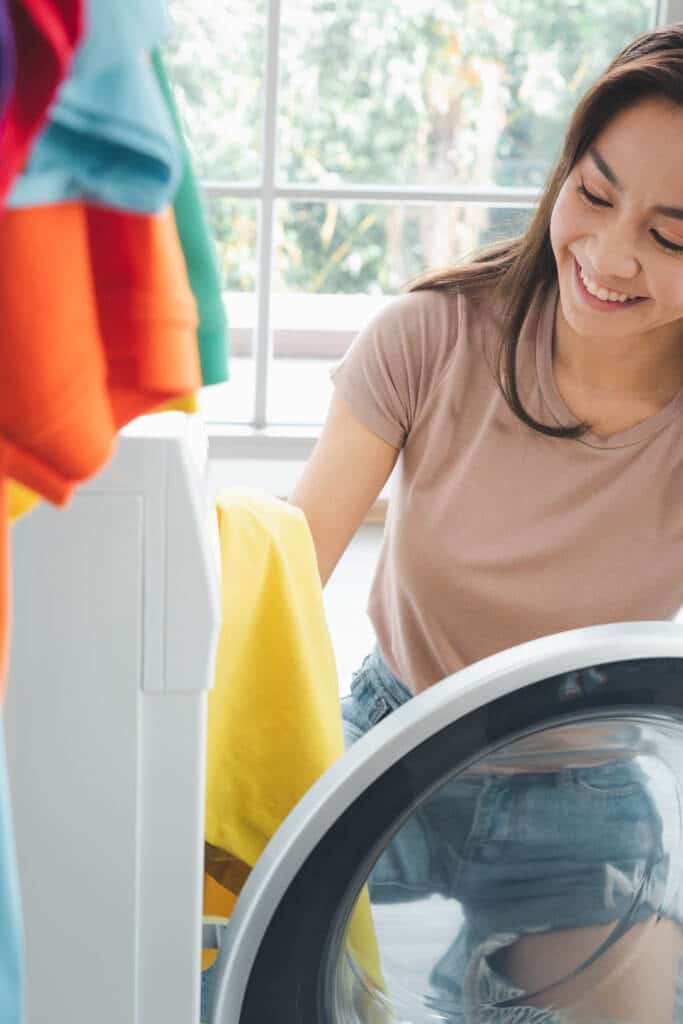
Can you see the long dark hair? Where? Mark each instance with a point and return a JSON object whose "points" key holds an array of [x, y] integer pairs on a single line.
{"points": [[652, 65]]}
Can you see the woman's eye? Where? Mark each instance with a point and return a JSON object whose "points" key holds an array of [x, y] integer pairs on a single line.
{"points": [[597, 201], [671, 246], [593, 200]]}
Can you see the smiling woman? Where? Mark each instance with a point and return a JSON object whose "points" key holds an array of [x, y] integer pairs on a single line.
{"points": [[617, 238], [370, 141], [608, 233], [532, 402]]}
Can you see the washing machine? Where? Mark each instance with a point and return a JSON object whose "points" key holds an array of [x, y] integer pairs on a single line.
{"points": [[116, 614], [373, 902]]}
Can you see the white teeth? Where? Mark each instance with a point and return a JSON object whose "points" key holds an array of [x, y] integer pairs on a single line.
{"points": [[602, 293]]}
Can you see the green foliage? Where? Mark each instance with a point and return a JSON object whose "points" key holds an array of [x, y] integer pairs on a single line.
{"points": [[386, 92]]}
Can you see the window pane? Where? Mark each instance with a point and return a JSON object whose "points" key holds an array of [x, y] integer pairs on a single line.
{"points": [[441, 92], [337, 263], [350, 247], [216, 57], [233, 224]]}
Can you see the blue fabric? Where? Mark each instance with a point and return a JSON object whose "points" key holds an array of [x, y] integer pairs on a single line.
{"points": [[109, 138], [206, 991], [11, 959]]}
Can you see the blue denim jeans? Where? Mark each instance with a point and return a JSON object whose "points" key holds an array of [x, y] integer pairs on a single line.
{"points": [[521, 853]]}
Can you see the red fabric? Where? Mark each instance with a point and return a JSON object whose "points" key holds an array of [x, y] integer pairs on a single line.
{"points": [[46, 35]]}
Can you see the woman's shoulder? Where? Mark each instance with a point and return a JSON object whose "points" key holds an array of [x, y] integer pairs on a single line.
{"points": [[439, 320], [408, 350], [421, 310], [449, 305], [409, 326], [416, 335]]}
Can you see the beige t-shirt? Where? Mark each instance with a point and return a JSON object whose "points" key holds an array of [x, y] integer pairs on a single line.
{"points": [[496, 533]]}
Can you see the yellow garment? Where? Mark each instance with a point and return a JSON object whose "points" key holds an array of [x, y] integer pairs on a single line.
{"points": [[222, 903], [274, 713], [22, 500], [183, 403]]}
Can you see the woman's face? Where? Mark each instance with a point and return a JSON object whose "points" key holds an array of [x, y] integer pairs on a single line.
{"points": [[617, 228]]}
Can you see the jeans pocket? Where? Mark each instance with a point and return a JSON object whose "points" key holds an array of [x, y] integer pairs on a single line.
{"points": [[370, 705]]}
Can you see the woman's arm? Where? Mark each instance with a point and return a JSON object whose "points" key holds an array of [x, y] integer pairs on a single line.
{"points": [[347, 470]]}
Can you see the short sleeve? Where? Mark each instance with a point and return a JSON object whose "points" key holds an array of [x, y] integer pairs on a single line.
{"points": [[389, 368]]}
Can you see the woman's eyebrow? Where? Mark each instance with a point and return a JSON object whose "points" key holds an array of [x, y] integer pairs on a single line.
{"points": [[606, 170]]}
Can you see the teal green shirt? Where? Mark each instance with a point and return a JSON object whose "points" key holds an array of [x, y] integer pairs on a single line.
{"points": [[199, 252]]}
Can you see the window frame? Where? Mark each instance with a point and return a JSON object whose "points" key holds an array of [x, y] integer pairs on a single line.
{"points": [[258, 439]]}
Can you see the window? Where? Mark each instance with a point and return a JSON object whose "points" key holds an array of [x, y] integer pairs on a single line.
{"points": [[346, 145]]}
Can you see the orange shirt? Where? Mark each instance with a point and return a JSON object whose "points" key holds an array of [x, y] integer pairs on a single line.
{"points": [[97, 326]]}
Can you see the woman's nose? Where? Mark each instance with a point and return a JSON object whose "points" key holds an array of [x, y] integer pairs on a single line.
{"points": [[613, 255]]}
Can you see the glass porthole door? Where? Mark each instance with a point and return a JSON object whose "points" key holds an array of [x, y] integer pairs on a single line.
{"points": [[504, 849]]}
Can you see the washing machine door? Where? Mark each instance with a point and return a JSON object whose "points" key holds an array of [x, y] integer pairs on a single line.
{"points": [[504, 848]]}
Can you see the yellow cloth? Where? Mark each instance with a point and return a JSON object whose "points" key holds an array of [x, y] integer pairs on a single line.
{"points": [[22, 500], [183, 403], [274, 713], [221, 902]]}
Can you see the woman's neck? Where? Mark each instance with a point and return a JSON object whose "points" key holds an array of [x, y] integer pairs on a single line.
{"points": [[634, 369]]}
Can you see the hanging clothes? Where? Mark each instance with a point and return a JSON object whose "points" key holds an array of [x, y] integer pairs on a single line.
{"points": [[38, 39], [193, 231], [8, 61], [46, 33], [109, 137], [199, 251], [274, 719], [119, 339], [37, 44], [97, 319]]}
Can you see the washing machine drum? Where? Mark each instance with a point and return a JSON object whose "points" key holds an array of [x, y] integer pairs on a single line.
{"points": [[503, 849]]}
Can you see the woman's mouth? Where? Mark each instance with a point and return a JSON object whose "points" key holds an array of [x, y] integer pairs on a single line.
{"points": [[600, 298]]}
